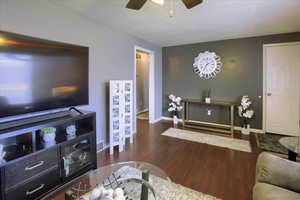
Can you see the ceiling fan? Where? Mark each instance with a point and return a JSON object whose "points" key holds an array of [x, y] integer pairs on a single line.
{"points": [[138, 4]]}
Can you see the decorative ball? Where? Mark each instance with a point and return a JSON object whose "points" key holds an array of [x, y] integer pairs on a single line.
{"points": [[118, 192], [109, 193], [107, 198], [95, 194], [102, 189], [119, 198]]}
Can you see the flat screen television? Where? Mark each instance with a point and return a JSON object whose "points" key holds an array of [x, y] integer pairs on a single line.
{"points": [[39, 75]]}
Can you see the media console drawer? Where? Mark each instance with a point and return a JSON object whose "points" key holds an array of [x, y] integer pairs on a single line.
{"points": [[36, 187], [23, 169]]}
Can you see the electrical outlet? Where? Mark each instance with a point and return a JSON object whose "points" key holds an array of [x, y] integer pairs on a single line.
{"points": [[208, 112]]}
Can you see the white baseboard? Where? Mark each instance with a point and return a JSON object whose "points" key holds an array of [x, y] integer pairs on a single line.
{"points": [[238, 128], [170, 119], [156, 120], [104, 146]]}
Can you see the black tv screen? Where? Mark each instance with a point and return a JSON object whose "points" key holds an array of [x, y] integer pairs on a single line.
{"points": [[38, 75]]}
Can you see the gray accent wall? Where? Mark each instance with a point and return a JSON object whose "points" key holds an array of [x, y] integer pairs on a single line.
{"points": [[111, 52], [242, 74]]}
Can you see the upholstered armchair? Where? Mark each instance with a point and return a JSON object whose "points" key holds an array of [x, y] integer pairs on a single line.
{"points": [[276, 179]]}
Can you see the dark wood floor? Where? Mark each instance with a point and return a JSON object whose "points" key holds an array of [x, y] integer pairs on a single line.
{"points": [[221, 172]]}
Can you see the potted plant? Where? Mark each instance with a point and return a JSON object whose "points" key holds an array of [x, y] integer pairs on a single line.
{"points": [[246, 113], [175, 107], [208, 96]]}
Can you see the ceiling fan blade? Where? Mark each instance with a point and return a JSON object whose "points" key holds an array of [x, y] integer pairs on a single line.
{"points": [[191, 3], [135, 4]]}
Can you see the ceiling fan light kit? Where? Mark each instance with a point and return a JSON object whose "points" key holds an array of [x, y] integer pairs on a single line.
{"points": [[138, 4], [160, 2]]}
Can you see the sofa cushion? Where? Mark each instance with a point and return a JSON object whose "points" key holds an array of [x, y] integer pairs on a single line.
{"points": [[264, 191], [277, 171]]}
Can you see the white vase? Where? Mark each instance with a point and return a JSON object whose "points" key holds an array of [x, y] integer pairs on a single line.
{"points": [[246, 129], [207, 100], [49, 138], [175, 119]]}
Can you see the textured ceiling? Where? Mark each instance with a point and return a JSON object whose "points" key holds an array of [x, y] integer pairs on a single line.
{"points": [[212, 20]]}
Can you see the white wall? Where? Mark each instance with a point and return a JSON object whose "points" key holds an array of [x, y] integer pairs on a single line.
{"points": [[111, 52]]}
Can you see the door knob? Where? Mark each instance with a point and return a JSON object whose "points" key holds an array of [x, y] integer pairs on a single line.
{"points": [[269, 94]]}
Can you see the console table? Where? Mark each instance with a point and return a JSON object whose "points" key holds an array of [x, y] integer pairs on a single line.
{"points": [[187, 122]]}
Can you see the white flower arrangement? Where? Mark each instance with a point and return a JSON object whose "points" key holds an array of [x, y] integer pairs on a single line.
{"points": [[244, 109], [175, 104]]}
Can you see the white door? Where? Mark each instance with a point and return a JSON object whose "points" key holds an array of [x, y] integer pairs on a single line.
{"points": [[282, 64]]}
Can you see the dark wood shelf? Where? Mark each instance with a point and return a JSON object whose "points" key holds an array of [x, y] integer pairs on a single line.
{"points": [[43, 124], [14, 152]]}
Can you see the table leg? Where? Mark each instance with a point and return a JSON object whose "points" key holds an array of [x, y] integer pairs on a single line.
{"points": [[144, 193], [232, 120], [292, 156], [186, 111], [183, 114]]}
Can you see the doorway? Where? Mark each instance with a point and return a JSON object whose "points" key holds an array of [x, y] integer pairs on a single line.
{"points": [[151, 84], [282, 88], [142, 85]]}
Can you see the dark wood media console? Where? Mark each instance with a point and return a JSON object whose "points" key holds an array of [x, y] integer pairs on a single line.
{"points": [[34, 167]]}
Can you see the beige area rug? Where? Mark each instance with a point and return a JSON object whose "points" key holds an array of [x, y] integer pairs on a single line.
{"points": [[165, 190], [220, 141], [172, 191]]}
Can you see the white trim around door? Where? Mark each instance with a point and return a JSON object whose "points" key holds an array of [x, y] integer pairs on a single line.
{"points": [[151, 84], [265, 46]]}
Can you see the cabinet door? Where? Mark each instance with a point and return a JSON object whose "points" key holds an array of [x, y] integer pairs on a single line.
{"points": [[76, 155]]}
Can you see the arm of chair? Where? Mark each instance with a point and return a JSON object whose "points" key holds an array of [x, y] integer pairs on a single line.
{"points": [[277, 171]]}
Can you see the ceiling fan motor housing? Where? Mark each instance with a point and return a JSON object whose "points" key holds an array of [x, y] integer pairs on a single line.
{"points": [[138, 4]]}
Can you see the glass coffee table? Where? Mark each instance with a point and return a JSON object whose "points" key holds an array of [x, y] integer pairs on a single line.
{"points": [[292, 145], [133, 177]]}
